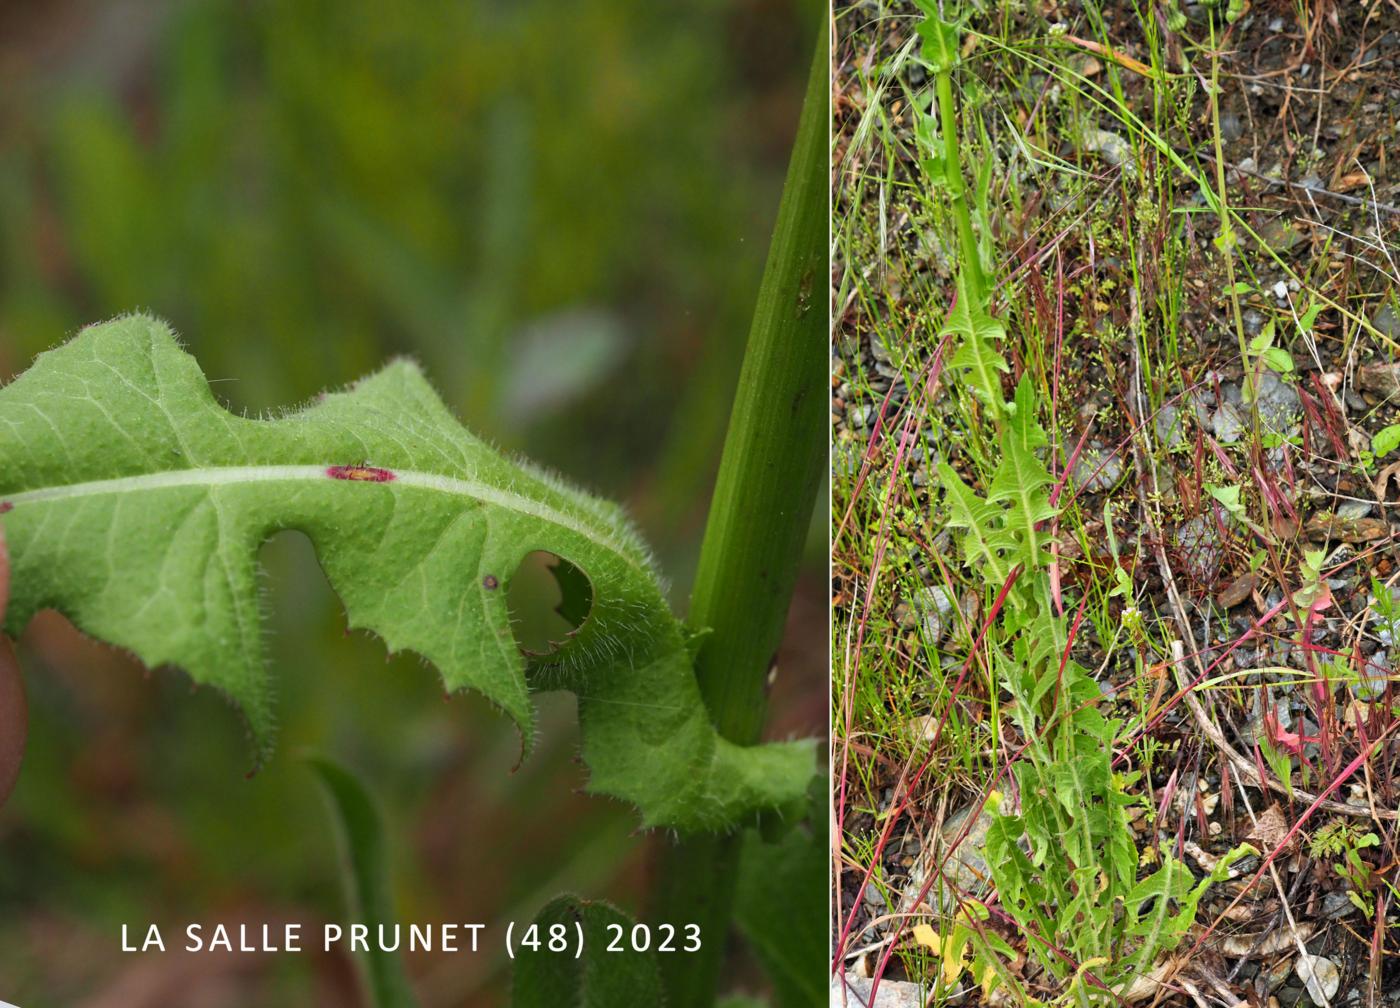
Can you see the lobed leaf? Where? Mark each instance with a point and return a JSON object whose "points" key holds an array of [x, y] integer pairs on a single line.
{"points": [[977, 353], [1022, 482], [984, 540], [940, 39], [137, 504]]}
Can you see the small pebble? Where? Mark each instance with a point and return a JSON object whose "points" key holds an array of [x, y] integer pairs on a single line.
{"points": [[1320, 976], [1228, 423], [1096, 470], [1336, 905], [934, 606], [1387, 321]]}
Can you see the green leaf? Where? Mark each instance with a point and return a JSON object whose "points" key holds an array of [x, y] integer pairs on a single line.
{"points": [[1229, 498], [1021, 480], [1308, 319], [976, 352], [137, 505], [940, 39], [1024, 427], [984, 540], [1123, 584], [935, 171], [1278, 359], [548, 977], [365, 875], [1387, 439], [780, 905], [1279, 762]]}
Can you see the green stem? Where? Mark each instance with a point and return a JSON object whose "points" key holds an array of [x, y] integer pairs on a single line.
{"points": [[957, 188], [764, 496], [1227, 228]]}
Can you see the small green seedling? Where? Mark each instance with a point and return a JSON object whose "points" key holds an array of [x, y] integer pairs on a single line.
{"points": [[1228, 497], [1346, 840], [1385, 441], [1313, 587]]}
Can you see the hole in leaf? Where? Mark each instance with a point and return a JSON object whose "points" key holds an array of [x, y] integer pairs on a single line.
{"points": [[549, 599]]}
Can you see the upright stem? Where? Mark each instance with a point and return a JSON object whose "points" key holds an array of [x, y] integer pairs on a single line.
{"points": [[773, 458], [957, 188], [1227, 228]]}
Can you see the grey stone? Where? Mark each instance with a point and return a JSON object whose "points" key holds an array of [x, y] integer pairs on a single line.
{"points": [[1336, 905], [1320, 976], [935, 608], [1247, 657], [1279, 404], [963, 872], [1387, 321], [1111, 147], [1167, 425], [1375, 673], [846, 458], [1282, 709], [1096, 470], [854, 992], [1280, 235], [1276, 974], [1228, 423], [1199, 542], [1202, 404]]}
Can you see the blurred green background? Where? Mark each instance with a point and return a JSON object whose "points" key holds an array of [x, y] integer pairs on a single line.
{"points": [[561, 209]]}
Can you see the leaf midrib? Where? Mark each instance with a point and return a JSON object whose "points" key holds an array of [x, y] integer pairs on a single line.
{"points": [[212, 476]]}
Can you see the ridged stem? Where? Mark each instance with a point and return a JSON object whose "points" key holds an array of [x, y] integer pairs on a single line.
{"points": [[774, 454]]}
